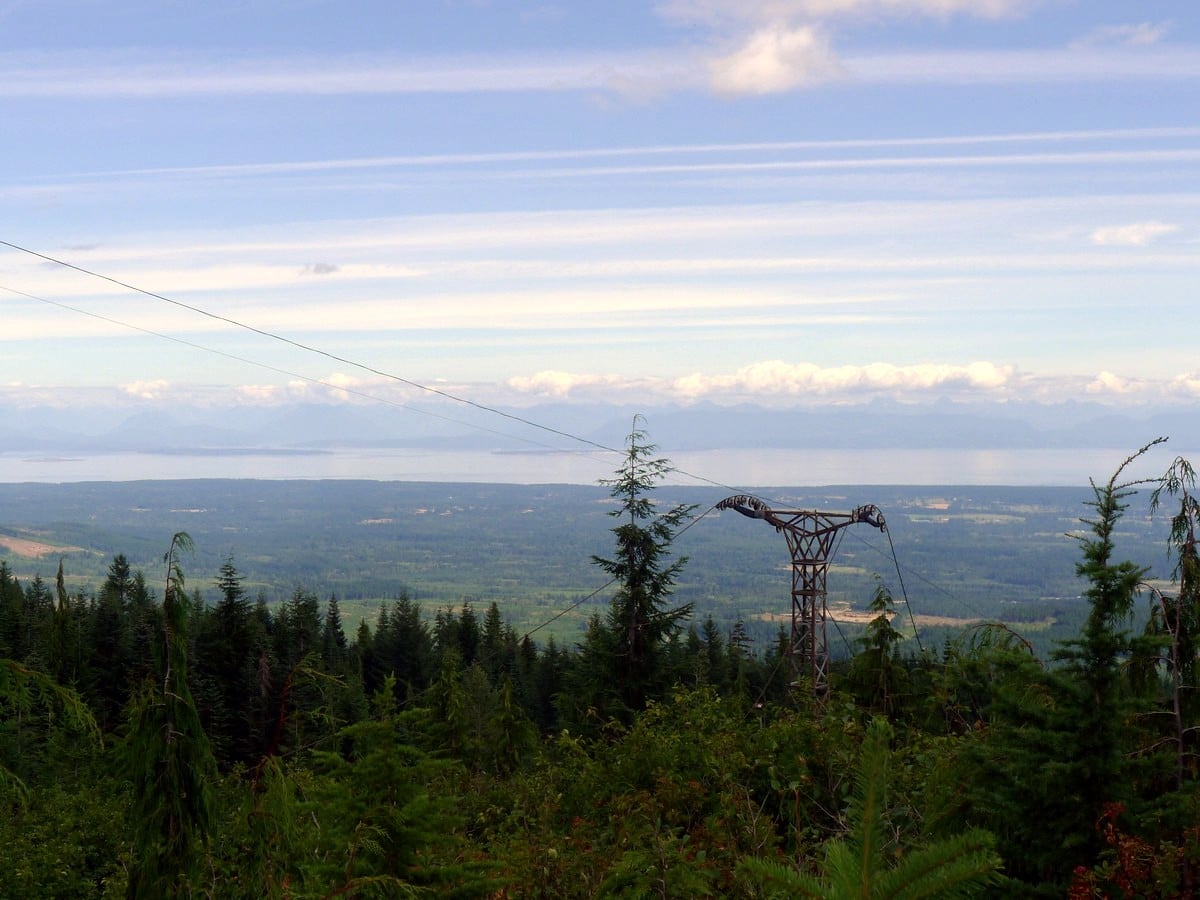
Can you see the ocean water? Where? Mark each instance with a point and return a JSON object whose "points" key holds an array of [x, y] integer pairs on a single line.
{"points": [[738, 468]]}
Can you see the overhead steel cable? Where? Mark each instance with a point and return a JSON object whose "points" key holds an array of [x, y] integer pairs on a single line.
{"points": [[270, 368], [904, 591], [582, 600], [299, 345], [914, 573], [571, 608]]}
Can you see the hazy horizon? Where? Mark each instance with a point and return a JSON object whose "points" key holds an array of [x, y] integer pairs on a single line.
{"points": [[736, 469]]}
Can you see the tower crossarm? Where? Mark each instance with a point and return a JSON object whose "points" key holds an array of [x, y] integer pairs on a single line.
{"points": [[810, 522], [870, 515], [810, 536]]}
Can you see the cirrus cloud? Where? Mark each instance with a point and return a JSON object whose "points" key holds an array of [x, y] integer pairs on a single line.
{"points": [[714, 13], [1142, 34], [1137, 234]]}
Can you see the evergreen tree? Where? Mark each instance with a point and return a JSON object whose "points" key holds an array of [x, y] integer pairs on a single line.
{"points": [[876, 676], [1092, 686], [143, 626], [715, 669], [228, 647], [297, 628], [403, 647], [492, 646], [118, 583], [470, 639], [383, 832], [12, 601], [640, 619], [545, 685], [334, 649], [36, 613], [168, 758], [110, 659], [58, 659], [738, 658], [1176, 620], [366, 656], [1053, 755], [590, 691]]}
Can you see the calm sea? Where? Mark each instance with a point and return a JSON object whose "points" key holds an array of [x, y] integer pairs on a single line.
{"points": [[742, 468]]}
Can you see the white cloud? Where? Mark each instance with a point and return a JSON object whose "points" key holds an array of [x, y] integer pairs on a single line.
{"points": [[1109, 383], [778, 44], [1187, 384], [1138, 234], [775, 58], [1109, 387], [1143, 34], [775, 377], [259, 393], [780, 384], [146, 390], [769, 383], [775, 380], [560, 385]]}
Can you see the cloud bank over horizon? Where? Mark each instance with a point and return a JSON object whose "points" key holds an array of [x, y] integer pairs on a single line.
{"points": [[769, 384]]}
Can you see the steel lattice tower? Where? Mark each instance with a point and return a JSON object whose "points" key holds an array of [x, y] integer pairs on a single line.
{"points": [[810, 536]]}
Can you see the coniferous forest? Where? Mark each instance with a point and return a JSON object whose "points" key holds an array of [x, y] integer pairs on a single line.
{"points": [[155, 745]]}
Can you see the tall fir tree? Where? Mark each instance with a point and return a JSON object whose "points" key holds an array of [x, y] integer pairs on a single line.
{"points": [[228, 648], [1094, 694], [110, 644], [168, 758], [640, 618], [335, 654], [1053, 754], [1175, 620]]}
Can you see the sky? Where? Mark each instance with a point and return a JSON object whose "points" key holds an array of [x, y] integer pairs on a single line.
{"points": [[782, 202]]}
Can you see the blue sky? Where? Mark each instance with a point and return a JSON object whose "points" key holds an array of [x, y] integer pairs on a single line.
{"points": [[773, 201]]}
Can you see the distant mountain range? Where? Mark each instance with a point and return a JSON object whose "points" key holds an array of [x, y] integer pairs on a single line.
{"points": [[879, 425]]}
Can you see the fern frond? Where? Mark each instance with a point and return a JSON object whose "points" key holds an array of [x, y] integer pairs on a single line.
{"points": [[869, 804], [778, 880], [961, 866]]}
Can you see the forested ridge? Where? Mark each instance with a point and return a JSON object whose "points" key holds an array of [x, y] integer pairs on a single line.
{"points": [[157, 745]]}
